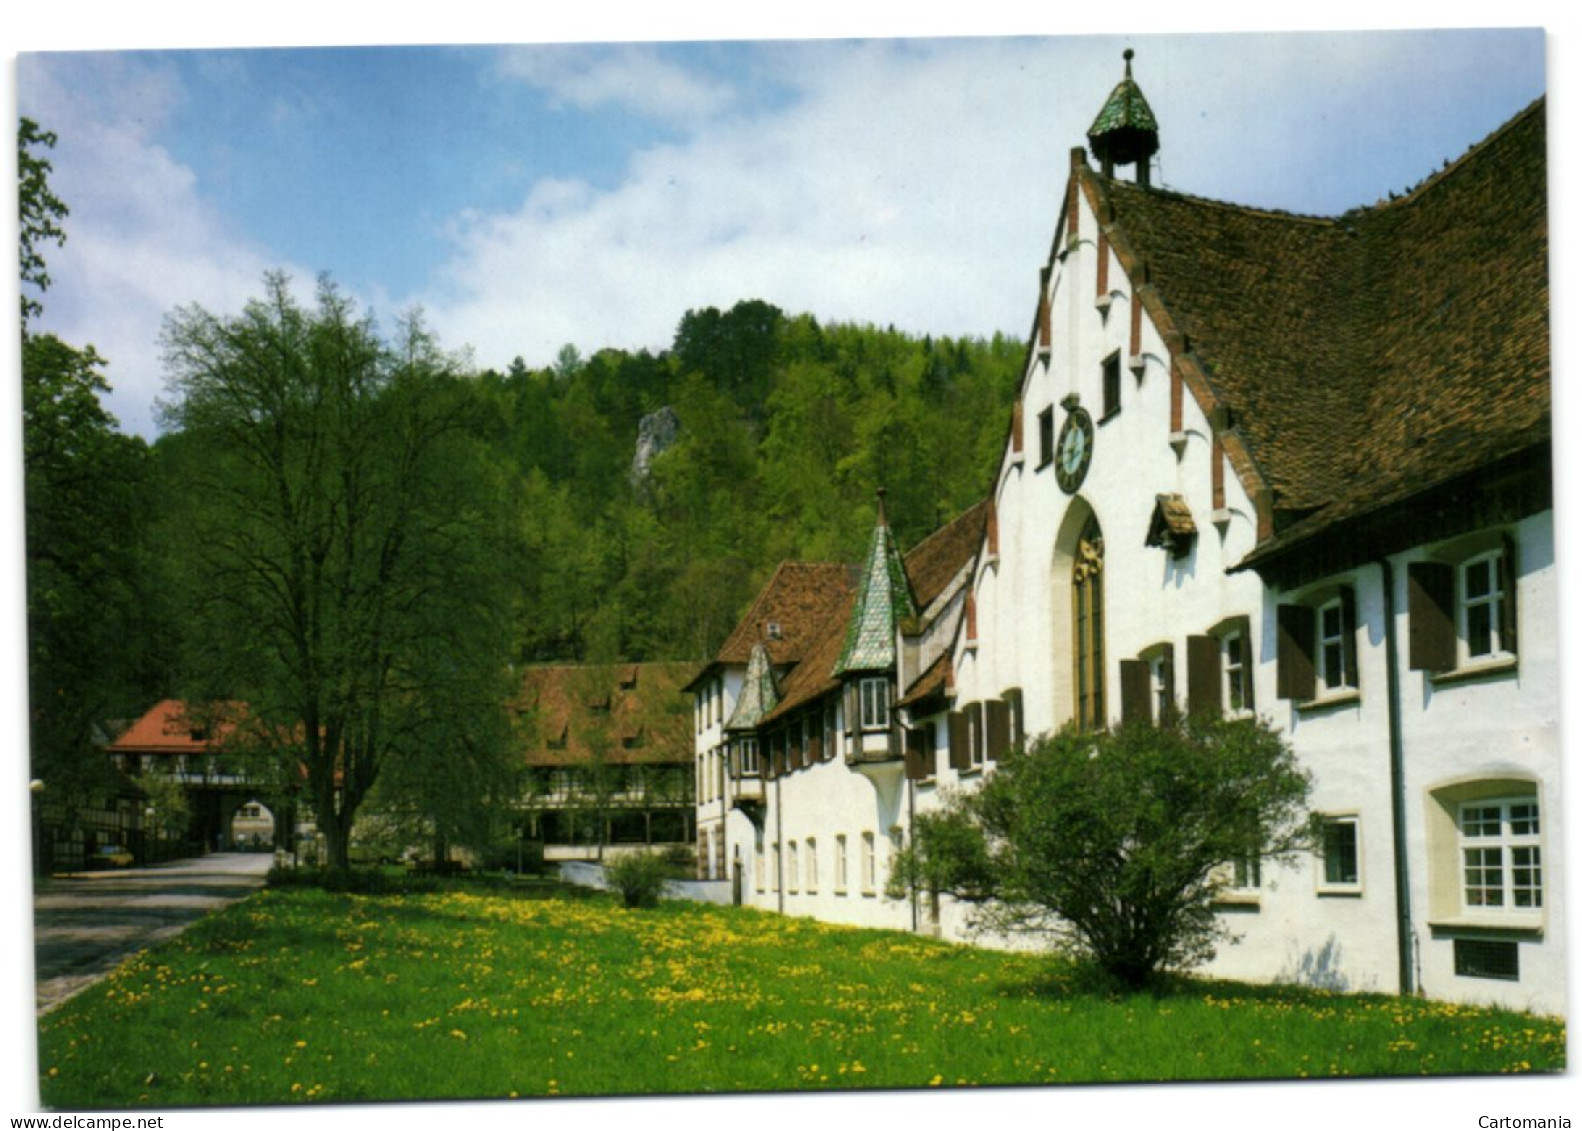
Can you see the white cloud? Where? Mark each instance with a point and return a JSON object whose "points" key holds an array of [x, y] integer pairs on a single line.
{"points": [[634, 78], [898, 187], [141, 241]]}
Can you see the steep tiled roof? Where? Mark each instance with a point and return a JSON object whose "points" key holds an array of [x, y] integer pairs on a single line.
{"points": [[796, 602], [931, 564], [1369, 356], [932, 684], [628, 714], [814, 676], [884, 599]]}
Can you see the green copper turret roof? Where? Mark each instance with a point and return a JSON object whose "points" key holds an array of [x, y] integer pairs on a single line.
{"points": [[884, 599], [1126, 125], [759, 694]]}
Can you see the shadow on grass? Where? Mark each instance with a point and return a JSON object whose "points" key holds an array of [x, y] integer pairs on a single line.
{"points": [[1066, 979]]}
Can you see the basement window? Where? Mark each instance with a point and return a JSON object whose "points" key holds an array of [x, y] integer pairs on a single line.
{"points": [[1487, 958]]}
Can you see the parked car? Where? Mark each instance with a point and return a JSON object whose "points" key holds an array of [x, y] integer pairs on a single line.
{"points": [[112, 856]]}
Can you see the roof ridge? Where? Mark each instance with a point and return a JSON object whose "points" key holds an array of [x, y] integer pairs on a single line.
{"points": [[1451, 167], [1111, 183], [945, 527]]}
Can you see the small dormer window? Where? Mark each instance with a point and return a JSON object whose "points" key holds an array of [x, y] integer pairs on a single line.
{"points": [[772, 630]]}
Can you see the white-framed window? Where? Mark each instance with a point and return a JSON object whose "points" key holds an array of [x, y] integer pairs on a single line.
{"points": [[840, 864], [875, 696], [830, 730], [811, 860], [1335, 642], [1480, 610], [793, 869], [1246, 874], [1235, 652], [1501, 858], [1462, 607], [1162, 683], [975, 743], [869, 868], [1316, 647], [1340, 855], [748, 747]]}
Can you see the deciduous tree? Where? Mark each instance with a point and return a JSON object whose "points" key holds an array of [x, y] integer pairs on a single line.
{"points": [[346, 538]]}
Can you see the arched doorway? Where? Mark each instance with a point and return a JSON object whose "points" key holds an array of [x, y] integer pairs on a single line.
{"points": [[252, 827]]}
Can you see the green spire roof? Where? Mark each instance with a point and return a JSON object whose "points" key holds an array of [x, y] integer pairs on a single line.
{"points": [[759, 695], [1125, 130], [884, 598]]}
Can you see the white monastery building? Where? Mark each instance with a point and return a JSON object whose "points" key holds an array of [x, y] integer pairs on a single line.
{"points": [[1259, 463]]}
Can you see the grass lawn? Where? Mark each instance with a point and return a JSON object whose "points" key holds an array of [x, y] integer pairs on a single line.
{"points": [[298, 995]]}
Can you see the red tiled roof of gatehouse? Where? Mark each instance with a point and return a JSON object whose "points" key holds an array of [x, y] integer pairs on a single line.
{"points": [[171, 726]]}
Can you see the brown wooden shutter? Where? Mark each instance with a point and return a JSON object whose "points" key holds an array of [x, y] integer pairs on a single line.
{"points": [[1508, 576], [916, 762], [1203, 676], [960, 756], [815, 741], [1348, 628], [1013, 702], [1431, 616], [1136, 687], [974, 713], [1294, 641], [998, 742]]}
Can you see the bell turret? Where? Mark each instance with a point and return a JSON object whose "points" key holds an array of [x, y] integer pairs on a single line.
{"points": [[1125, 130]]}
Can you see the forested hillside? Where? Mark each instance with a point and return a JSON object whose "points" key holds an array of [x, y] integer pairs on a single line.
{"points": [[786, 428]]}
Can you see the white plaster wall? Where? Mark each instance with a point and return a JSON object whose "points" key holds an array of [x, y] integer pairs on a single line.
{"points": [[1503, 726], [827, 800]]}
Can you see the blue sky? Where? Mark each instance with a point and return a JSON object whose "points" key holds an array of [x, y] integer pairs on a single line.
{"points": [[532, 196]]}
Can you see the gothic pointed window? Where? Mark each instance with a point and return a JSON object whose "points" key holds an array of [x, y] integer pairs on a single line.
{"points": [[1087, 618]]}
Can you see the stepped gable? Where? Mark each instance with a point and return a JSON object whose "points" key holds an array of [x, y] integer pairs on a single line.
{"points": [[624, 714], [1367, 357]]}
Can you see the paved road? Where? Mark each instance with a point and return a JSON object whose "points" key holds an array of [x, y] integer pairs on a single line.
{"points": [[86, 925]]}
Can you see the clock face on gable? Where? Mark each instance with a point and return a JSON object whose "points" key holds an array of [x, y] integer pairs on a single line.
{"points": [[1074, 451]]}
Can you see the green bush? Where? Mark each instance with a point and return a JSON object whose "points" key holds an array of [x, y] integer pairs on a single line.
{"points": [[1118, 841], [640, 877]]}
